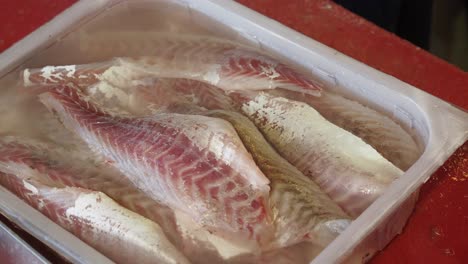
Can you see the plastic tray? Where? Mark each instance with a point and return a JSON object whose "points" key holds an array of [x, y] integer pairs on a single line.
{"points": [[439, 127]]}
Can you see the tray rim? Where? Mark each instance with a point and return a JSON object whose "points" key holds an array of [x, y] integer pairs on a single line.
{"points": [[440, 145]]}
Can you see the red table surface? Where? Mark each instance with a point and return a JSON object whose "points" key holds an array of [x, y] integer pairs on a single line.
{"points": [[437, 232]]}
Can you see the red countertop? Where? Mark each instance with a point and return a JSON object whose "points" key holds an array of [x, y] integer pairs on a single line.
{"points": [[437, 232]]}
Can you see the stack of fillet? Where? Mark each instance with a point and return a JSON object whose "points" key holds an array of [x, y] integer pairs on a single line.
{"points": [[201, 151]]}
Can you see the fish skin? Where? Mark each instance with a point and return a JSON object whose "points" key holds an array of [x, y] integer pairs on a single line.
{"points": [[303, 212], [110, 231], [351, 172], [165, 144], [226, 64], [371, 126]]}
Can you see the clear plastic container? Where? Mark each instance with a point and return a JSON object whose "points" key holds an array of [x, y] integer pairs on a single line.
{"points": [[13, 249], [438, 126]]}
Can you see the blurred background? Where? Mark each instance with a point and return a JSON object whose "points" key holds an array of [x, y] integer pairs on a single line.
{"points": [[438, 26]]}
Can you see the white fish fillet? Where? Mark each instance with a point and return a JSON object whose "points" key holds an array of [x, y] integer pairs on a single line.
{"points": [[303, 212], [120, 234], [350, 171], [376, 129]]}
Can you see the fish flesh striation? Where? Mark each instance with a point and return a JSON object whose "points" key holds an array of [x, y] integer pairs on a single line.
{"points": [[350, 171], [303, 212], [192, 163], [84, 174], [376, 129], [118, 233], [194, 243], [226, 64]]}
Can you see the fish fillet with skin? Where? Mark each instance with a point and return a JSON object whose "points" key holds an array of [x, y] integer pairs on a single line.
{"points": [[226, 64], [379, 131], [118, 233], [303, 212], [46, 158], [350, 171], [191, 163]]}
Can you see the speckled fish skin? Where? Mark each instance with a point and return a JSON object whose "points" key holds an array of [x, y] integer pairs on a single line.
{"points": [[351, 172], [376, 129], [90, 215], [303, 212], [225, 64], [192, 163]]}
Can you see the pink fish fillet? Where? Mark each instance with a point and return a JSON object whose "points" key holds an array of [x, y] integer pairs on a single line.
{"points": [[192, 163], [118, 233], [225, 64]]}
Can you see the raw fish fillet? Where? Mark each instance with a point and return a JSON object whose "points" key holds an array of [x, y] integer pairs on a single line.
{"points": [[350, 171], [377, 130], [45, 158], [303, 212], [225, 64], [192, 163], [118, 233]]}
